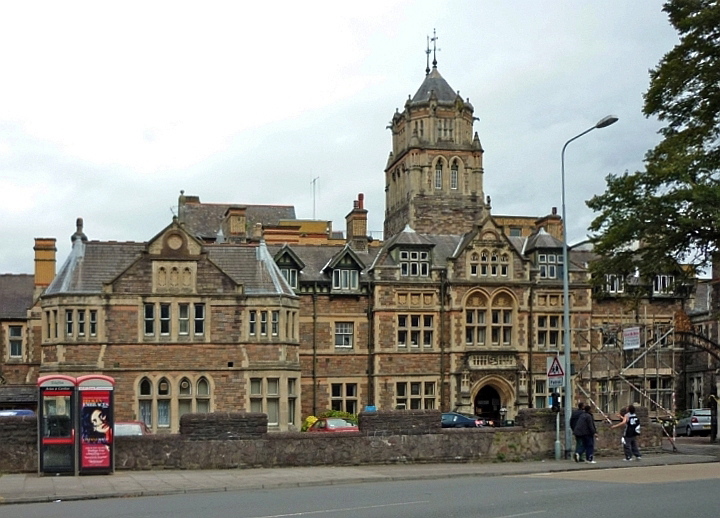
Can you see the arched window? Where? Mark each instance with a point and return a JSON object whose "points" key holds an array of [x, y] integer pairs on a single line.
{"points": [[184, 397], [454, 175], [163, 403], [476, 320], [202, 401], [145, 402], [501, 329], [474, 259], [156, 399], [504, 261], [438, 175]]}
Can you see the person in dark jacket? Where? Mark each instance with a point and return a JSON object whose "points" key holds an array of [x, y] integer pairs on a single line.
{"points": [[579, 449], [585, 429]]}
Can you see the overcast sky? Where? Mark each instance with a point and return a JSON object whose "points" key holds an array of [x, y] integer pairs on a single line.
{"points": [[108, 111]]}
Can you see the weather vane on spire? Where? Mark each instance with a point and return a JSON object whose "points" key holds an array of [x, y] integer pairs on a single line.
{"points": [[435, 49], [427, 56], [427, 52]]}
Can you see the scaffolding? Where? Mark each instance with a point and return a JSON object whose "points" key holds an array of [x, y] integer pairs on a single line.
{"points": [[614, 373]]}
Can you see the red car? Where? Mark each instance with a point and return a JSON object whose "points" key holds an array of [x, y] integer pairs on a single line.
{"points": [[333, 424]]}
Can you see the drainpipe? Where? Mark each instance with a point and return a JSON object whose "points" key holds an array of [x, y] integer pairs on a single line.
{"points": [[314, 349], [371, 346], [531, 328], [443, 294]]}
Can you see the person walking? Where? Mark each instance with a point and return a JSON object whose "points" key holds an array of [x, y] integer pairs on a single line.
{"points": [[586, 431], [632, 429], [579, 450]]}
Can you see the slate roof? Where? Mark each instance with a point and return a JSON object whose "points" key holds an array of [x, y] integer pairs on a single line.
{"points": [[16, 295], [436, 83], [203, 220], [541, 240], [251, 266], [92, 264], [317, 257]]}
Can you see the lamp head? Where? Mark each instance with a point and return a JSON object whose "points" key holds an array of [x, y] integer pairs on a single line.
{"points": [[606, 121]]}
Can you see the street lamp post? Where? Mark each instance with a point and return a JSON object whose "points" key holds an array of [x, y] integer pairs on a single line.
{"points": [[568, 403]]}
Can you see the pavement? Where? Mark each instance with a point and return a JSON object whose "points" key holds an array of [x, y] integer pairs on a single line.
{"points": [[34, 488]]}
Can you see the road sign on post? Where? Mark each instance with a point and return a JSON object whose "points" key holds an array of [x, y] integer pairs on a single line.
{"points": [[555, 372]]}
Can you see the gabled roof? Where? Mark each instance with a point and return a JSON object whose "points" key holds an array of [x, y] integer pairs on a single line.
{"points": [[286, 250], [92, 264], [346, 251], [487, 224], [315, 258], [16, 295]]}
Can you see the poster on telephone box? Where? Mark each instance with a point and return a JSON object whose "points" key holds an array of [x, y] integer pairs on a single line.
{"points": [[96, 428]]}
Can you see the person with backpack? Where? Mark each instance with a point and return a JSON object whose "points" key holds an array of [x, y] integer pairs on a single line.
{"points": [[579, 449], [585, 430], [630, 433]]}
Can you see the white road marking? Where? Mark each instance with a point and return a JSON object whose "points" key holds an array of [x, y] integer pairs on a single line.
{"points": [[324, 511], [521, 514]]}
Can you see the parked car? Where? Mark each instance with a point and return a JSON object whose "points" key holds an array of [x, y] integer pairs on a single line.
{"points": [[126, 428], [695, 421], [333, 424], [15, 412], [458, 420]]}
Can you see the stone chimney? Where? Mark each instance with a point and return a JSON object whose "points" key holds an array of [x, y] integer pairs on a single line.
{"points": [[356, 221], [552, 223], [234, 224], [44, 262]]}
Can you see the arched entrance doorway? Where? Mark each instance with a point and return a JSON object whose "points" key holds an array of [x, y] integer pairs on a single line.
{"points": [[488, 403]]}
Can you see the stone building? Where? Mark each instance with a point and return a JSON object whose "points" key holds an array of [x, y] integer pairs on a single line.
{"points": [[244, 307]]}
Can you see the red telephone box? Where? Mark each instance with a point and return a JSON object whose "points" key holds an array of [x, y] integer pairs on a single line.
{"points": [[56, 424], [95, 413]]}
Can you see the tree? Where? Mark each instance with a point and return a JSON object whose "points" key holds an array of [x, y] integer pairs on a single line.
{"points": [[672, 209]]}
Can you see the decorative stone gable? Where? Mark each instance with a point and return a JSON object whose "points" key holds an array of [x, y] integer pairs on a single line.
{"points": [[174, 276]]}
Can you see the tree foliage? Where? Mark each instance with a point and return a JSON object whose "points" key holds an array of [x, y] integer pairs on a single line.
{"points": [[672, 208]]}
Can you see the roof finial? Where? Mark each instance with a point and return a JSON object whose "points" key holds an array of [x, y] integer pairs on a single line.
{"points": [[427, 56], [434, 40]]}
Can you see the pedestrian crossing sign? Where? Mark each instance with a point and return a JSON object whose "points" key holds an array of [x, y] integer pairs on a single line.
{"points": [[555, 370]]}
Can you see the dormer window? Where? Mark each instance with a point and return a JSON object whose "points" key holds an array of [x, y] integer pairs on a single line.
{"points": [[291, 276], [414, 263], [345, 279], [549, 265], [290, 266]]}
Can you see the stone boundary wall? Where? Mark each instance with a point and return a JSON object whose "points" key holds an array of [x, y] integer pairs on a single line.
{"points": [[223, 426], [235, 440]]}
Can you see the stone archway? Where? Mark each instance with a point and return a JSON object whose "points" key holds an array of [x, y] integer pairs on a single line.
{"points": [[491, 395]]}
